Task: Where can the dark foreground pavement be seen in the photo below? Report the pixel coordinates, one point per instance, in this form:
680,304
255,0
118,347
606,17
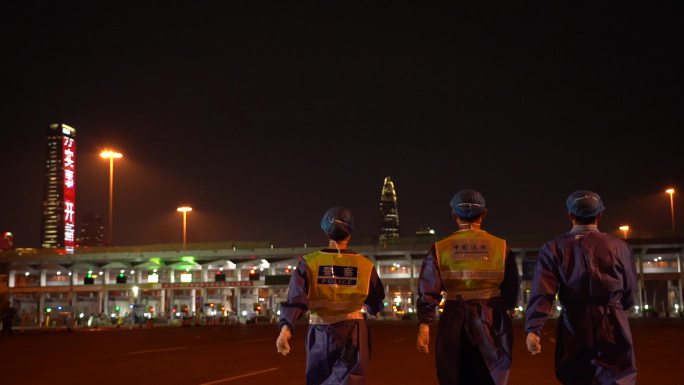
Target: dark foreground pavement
246,354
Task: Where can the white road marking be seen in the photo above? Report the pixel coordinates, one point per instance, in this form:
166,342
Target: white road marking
240,376
158,350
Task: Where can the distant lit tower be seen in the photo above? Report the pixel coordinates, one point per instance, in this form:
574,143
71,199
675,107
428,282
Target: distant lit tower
389,214
59,201
91,231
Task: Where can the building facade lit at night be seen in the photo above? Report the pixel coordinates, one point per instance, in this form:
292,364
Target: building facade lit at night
389,213
250,279
59,200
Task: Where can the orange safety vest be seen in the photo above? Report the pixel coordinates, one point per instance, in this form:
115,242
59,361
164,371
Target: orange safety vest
338,286
472,264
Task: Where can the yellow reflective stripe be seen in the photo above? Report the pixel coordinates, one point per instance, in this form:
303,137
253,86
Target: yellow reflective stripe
329,305
316,319
473,274
474,294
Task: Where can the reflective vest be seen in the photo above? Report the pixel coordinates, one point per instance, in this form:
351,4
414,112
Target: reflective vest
472,264
338,286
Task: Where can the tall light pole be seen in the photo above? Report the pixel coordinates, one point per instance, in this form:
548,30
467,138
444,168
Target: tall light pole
671,191
624,229
111,155
184,210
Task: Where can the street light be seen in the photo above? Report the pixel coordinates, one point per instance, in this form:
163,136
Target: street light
624,229
671,192
111,155
184,210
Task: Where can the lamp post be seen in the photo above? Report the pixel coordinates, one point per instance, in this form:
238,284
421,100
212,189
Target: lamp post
671,192
624,229
184,210
111,155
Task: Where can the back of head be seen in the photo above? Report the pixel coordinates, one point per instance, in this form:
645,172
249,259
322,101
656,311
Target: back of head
337,223
584,204
467,204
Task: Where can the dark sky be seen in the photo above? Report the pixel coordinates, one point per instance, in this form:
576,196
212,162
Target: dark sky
263,116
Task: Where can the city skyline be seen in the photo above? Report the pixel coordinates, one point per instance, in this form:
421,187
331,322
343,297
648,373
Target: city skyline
261,118
369,236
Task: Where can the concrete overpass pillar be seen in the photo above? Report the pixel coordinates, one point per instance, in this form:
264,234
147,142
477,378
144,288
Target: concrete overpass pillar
238,300
11,279
203,302
193,299
100,298
162,305
640,269
41,309
43,278
105,301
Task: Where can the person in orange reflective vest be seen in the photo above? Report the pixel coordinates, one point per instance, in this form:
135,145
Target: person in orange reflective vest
479,276
338,287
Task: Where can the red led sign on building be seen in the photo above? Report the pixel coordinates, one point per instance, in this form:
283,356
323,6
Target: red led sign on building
69,159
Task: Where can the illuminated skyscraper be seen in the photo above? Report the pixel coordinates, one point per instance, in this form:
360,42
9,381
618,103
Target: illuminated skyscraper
59,202
389,214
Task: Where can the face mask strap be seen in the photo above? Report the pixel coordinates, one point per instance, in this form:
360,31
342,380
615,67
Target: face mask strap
585,197
339,221
469,204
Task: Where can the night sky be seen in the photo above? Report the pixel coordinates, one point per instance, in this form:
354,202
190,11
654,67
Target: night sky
261,117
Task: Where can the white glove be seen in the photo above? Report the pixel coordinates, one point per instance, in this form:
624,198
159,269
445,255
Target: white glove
423,339
366,312
282,343
533,344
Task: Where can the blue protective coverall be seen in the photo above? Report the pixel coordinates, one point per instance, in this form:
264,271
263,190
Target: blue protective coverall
595,277
474,337
337,353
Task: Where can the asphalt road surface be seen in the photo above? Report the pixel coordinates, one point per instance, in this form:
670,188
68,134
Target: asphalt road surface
246,354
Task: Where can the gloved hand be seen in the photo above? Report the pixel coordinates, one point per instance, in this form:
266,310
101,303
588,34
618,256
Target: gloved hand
366,312
533,344
282,343
423,338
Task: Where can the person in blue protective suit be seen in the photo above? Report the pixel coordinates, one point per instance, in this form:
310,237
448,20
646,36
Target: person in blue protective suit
478,273
338,287
595,278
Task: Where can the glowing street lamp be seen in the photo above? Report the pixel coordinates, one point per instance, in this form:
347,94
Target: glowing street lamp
671,191
624,230
184,210
111,155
